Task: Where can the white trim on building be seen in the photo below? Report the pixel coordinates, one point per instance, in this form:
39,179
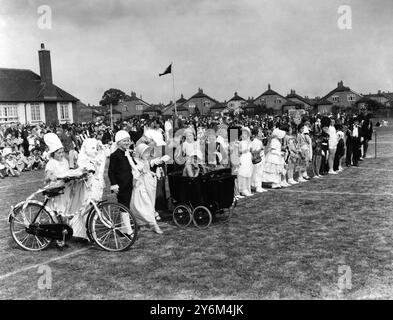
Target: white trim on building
64,112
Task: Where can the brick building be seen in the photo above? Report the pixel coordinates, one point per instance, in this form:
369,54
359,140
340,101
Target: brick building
29,98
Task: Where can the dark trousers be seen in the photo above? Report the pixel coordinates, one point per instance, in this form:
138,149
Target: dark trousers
356,150
124,197
365,147
324,165
336,163
348,157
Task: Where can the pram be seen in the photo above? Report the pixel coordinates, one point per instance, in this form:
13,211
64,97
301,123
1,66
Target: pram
202,198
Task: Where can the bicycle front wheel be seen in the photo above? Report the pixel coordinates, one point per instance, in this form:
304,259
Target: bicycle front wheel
121,234
25,240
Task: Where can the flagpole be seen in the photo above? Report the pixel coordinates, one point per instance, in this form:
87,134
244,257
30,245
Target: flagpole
174,94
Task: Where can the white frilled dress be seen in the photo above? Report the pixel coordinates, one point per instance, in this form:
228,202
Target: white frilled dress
71,201
94,190
245,168
257,173
143,193
273,167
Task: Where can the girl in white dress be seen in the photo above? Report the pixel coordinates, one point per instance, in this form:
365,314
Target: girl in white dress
92,157
257,150
144,188
70,202
246,166
274,167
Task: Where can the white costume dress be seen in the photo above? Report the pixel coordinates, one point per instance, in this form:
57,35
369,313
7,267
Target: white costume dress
95,183
274,163
257,173
143,193
70,202
246,167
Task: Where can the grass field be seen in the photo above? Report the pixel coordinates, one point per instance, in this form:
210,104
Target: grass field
283,244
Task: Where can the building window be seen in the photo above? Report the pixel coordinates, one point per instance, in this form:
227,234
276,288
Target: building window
206,104
351,97
336,99
278,101
35,112
139,107
8,113
125,109
191,106
64,114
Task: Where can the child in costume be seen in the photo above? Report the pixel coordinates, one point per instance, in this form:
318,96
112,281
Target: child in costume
274,167
245,163
144,186
258,156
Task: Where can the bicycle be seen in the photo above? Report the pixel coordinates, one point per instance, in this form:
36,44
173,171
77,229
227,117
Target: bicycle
34,226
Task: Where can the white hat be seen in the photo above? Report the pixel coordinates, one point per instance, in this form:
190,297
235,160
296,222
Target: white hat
280,134
141,149
247,129
197,153
53,142
7,151
156,136
121,134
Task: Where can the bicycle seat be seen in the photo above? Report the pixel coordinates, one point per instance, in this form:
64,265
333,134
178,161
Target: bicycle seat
53,192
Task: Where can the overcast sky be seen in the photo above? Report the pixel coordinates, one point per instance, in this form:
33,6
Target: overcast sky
221,46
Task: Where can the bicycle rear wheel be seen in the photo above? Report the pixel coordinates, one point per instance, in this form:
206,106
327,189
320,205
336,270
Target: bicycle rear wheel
123,231
25,240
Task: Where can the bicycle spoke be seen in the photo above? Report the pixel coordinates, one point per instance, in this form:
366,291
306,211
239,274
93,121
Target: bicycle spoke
114,235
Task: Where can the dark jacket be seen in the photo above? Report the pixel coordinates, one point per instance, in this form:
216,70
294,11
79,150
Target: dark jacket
119,171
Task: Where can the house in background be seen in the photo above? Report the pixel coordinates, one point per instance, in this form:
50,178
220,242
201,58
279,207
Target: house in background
384,98
169,109
29,98
219,108
291,105
154,110
199,103
342,97
302,102
272,100
324,106
134,106
236,102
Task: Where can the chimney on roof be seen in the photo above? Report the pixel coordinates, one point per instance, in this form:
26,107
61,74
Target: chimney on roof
133,94
379,91
268,86
235,94
340,84
181,96
200,90
45,65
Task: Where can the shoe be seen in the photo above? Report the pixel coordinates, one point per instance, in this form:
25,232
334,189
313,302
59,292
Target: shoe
341,169
157,229
356,165
292,182
332,172
276,186
246,194
360,159
260,190
306,178
301,180
317,176
285,184
239,196
157,216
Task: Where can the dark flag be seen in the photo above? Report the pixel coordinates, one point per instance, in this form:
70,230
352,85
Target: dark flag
167,70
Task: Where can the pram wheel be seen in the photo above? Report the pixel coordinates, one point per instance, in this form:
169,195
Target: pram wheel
25,240
201,217
122,233
182,216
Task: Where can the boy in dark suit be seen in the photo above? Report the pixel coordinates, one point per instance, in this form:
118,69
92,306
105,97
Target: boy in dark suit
119,172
